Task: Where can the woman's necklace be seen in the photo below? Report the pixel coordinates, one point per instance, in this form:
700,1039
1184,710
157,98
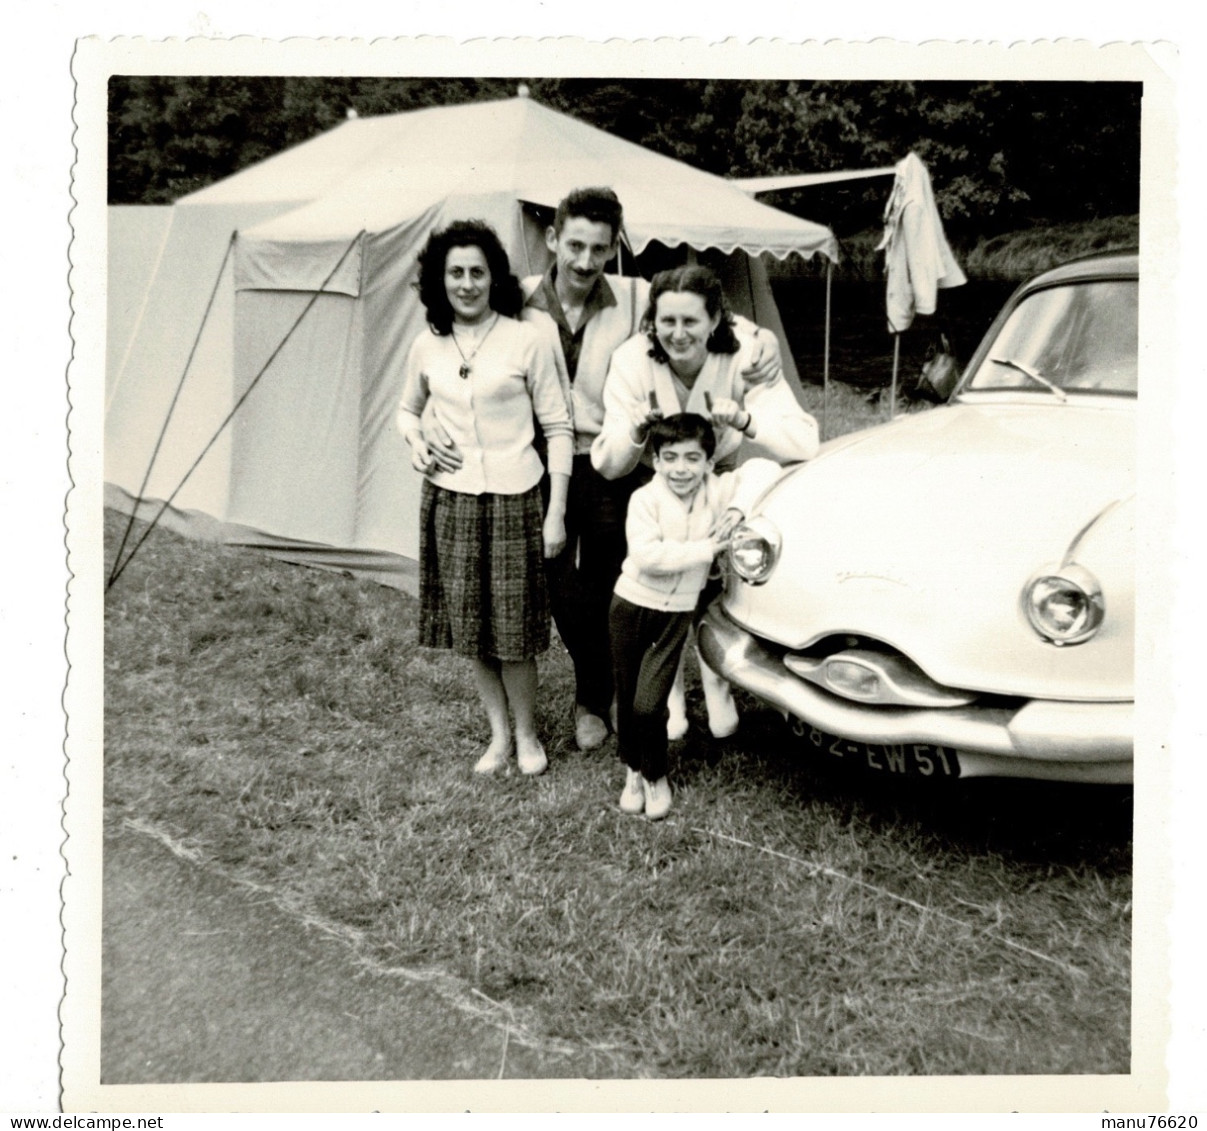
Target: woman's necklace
467,359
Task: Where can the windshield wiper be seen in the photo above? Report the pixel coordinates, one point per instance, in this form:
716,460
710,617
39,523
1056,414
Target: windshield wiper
1039,378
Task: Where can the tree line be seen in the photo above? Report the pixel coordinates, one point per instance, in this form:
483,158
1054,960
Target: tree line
1002,155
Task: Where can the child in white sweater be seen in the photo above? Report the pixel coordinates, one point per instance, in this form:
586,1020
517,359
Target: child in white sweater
676,525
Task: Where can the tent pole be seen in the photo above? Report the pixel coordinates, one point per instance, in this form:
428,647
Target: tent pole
825,356
892,401
524,245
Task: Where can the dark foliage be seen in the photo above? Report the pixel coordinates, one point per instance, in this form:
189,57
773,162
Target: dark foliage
1002,155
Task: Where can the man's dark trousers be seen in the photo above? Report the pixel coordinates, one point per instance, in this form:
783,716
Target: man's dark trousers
582,576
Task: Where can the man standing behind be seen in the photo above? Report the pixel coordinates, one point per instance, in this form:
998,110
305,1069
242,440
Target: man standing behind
586,315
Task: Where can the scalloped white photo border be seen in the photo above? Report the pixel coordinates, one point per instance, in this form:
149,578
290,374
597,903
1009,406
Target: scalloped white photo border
95,59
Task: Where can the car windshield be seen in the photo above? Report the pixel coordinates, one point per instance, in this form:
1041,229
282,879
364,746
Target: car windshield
1077,337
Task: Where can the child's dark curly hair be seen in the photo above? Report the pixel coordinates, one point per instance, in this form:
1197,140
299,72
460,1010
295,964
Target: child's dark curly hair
680,427
506,295
697,280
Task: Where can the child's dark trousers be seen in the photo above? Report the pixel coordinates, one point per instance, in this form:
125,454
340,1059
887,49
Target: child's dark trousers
646,645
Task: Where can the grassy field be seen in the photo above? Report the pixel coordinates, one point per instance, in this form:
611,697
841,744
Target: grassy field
787,919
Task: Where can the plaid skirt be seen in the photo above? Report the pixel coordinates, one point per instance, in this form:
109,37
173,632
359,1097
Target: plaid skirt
482,574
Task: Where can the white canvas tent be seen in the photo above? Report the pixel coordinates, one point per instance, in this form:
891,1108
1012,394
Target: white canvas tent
311,465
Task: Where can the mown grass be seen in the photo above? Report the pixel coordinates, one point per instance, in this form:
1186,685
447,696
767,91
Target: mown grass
846,408
787,919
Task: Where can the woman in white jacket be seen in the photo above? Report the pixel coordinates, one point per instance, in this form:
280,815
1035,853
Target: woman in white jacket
687,359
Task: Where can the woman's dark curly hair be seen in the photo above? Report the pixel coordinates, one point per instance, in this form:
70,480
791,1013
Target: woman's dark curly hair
506,296
698,281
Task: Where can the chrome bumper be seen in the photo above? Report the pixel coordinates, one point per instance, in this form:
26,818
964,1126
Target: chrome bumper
1062,741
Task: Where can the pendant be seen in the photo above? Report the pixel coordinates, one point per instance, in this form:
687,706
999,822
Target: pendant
464,370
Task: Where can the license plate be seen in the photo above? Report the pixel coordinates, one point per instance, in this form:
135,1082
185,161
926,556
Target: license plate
907,759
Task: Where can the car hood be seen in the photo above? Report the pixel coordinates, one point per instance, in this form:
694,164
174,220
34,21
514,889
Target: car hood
923,533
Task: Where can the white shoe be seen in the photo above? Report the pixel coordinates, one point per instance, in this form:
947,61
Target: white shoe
657,798
533,760
726,725
676,705
590,731
632,797
718,699
493,760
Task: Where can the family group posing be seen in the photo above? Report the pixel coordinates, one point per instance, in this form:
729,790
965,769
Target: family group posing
578,435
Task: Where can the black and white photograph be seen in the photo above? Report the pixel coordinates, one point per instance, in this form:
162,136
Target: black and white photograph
640,584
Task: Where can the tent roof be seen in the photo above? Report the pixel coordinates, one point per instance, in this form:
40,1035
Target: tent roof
373,174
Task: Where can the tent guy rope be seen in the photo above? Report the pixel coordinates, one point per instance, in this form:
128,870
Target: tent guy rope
142,487
822,870
119,569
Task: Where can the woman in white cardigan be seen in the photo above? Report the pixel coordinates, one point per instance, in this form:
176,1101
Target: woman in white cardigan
489,379
687,359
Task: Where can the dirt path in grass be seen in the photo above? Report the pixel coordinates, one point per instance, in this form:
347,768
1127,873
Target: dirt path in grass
207,981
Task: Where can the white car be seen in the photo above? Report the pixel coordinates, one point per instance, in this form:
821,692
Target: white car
952,594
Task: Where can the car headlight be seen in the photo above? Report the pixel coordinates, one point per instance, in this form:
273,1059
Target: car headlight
754,548
1064,605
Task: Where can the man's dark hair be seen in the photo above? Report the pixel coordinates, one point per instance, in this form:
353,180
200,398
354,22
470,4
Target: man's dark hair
679,429
506,295
598,204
